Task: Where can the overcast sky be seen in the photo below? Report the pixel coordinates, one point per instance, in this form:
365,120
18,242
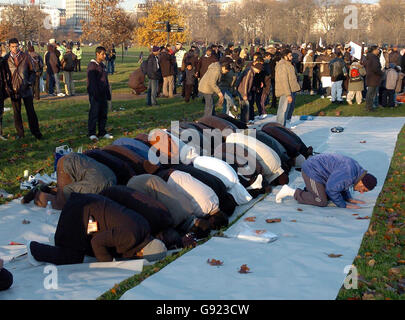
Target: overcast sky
128,4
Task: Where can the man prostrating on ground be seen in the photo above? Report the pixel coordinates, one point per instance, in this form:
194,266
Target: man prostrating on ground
98,89
329,176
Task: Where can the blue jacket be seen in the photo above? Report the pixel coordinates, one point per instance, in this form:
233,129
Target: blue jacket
337,172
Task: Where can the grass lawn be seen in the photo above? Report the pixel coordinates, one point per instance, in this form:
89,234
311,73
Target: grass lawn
381,258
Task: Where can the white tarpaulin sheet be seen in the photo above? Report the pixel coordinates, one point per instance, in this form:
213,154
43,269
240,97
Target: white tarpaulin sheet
81,281
296,266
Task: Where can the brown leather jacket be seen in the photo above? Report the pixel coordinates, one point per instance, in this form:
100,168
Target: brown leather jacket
20,77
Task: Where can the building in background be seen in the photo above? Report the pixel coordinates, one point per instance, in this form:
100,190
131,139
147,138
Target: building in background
53,20
76,12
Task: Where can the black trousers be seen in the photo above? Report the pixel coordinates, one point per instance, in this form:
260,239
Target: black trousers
188,92
1,116
273,94
371,93
78,65
6,279
388,98
97,116
55,255
31,114
37,90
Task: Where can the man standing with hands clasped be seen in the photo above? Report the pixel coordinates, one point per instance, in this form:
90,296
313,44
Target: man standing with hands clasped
98,89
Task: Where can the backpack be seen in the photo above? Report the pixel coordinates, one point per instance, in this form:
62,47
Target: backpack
239,78
37,63
69,64
355,75
337,69
391,80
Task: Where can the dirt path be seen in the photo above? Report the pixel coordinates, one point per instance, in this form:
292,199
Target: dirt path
118,96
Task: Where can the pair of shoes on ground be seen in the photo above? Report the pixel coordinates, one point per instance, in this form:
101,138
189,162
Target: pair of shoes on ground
106,136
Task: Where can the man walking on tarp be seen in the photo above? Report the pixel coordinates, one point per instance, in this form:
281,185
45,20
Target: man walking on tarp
330,176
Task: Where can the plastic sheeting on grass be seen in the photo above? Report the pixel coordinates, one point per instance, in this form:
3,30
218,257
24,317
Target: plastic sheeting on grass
84,281
297,265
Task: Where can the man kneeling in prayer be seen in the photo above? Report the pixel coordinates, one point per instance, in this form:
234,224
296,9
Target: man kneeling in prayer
75,173
96,226
329,176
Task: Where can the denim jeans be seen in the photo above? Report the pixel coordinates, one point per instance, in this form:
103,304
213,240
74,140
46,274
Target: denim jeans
370,98
97,116
228,101
337,91
153,86
54,83
291,107
209,109
282,110
111,67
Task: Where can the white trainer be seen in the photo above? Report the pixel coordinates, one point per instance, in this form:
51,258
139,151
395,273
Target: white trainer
108,136
93,138
31,258
285,191
231,115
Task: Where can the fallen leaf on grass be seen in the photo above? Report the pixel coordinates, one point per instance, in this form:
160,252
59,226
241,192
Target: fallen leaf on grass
371,263
251,219
394,271
273,220
401,286
368,254
332,255
368,296
244,269
214,262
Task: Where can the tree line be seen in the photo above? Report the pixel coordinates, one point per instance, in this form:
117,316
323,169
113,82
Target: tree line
245,22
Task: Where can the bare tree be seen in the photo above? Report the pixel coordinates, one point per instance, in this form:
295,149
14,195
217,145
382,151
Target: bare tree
22,22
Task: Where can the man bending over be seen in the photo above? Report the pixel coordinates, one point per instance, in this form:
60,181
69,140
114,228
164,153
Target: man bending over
329,176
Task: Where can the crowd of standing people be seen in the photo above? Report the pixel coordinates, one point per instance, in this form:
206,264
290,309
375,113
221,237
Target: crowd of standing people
273,76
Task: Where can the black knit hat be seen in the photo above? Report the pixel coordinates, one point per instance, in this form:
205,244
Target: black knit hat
369,181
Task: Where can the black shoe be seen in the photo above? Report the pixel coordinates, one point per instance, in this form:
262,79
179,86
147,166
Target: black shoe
30,195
